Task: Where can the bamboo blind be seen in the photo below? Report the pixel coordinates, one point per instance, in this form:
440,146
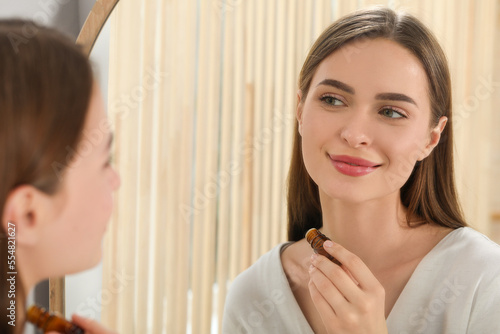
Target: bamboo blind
202,97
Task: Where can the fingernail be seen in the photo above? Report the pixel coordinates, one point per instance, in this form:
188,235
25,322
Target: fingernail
314,256
328,244
311,268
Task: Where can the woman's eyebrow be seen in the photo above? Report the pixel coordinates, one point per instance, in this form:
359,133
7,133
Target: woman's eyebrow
337,84
381,96
395,97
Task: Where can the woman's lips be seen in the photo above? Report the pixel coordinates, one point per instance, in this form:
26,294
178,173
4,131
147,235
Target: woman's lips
353,166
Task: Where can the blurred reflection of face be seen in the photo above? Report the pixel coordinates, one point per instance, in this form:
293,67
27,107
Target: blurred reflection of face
85,199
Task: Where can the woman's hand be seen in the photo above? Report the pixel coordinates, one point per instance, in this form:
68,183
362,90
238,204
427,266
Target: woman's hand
349,298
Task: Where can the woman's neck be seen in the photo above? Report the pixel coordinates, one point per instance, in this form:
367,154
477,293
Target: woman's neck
371,229
27,269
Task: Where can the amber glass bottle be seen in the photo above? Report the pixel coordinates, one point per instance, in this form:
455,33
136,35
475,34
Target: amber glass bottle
47,321
316,239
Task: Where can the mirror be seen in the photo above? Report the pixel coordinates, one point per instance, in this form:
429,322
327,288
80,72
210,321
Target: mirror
73,294
83,21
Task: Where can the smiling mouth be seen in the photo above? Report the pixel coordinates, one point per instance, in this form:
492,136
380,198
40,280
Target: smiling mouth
353,161
353,166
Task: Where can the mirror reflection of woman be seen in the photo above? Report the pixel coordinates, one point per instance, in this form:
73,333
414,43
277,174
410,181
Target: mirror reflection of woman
372,168
56,177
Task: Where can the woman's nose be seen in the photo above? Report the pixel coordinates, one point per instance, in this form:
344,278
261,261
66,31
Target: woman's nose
356,132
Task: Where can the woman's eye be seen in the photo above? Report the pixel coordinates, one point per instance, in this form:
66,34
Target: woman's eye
332,101
391,113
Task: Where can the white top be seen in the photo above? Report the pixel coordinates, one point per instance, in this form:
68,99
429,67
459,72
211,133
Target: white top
454,289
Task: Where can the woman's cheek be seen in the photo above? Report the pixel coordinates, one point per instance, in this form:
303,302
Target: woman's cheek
108,206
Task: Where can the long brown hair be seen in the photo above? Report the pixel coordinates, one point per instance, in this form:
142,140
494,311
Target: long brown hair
46,85
429,193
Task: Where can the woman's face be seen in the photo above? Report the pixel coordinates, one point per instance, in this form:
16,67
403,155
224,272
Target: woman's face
366,120
83,205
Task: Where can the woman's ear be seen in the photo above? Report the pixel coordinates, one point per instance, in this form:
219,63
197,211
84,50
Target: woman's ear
24,209
434,137
298,112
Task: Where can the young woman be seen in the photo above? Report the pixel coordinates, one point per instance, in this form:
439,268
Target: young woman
56,182
372,168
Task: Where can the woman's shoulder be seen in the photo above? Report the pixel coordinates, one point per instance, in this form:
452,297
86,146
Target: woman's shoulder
472,245
455,288
477,278
260,300
468,251
260,277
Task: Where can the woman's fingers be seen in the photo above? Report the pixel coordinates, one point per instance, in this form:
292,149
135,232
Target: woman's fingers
326,311
334,275
321,303
359,271
326,287
345,305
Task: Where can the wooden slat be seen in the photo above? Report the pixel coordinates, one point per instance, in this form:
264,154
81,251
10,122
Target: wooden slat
278,128
205,168
245,235
165,315
307,32
148,140
57,295
291,86
259,52
226,177
209,165
242,65
126,119
319,9
265,134
186,133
